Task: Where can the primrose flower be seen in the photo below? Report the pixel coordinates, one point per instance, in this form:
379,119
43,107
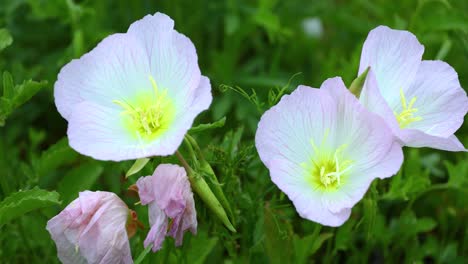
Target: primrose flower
422,101
323,149
169,196
92,229
135,95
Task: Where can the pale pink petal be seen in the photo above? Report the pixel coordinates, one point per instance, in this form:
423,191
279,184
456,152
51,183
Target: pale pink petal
440,100
418,139
170,181
158,221
372,99
145,189
330,118
121,69
394,56
173,198
92,230
115,70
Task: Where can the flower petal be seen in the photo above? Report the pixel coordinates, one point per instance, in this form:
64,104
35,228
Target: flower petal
394,56
115,70
92,230
158,231
169,183
370,145
172,56
145,189
333,118
417,139
308,202
372,99
97,131
285,129
441,102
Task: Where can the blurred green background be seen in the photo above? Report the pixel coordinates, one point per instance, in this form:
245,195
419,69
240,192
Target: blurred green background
252,51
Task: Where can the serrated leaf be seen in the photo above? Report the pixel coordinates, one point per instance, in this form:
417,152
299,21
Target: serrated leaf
409,182
5,39
457,174
58,154
79,179
203,127
137,166
25,91
22,202
8,85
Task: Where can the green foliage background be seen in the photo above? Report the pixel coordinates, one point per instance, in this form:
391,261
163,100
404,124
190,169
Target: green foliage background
419,215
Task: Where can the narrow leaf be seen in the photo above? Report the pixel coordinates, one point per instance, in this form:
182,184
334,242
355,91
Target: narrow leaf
137,166
356,86
26,90
8,85
203,127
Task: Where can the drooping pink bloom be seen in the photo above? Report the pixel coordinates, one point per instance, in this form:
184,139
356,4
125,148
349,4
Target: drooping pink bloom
171,204
135,95
323,149
422,101
91,229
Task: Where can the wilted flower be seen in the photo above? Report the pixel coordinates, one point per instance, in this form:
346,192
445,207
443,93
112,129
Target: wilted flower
135,95
91,229
171,205
323,149
422,101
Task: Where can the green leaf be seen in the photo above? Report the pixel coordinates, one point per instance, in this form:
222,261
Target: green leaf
356,86
8,85
22,202
200,247
5,39
58,154
409,182
307,246
79,179
203,127
26,90
457,174
137,166
278,237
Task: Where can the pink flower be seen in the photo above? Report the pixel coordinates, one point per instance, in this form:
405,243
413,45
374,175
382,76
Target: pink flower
91,229
135,94
323,149
169,195
421,100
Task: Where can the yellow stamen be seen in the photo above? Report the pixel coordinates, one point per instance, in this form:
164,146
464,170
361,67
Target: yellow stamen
327,168
407,115
148,115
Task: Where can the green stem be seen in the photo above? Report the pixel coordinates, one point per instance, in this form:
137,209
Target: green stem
200,186
143,255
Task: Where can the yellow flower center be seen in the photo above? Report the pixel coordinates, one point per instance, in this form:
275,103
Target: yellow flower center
328,168
407,114
149,114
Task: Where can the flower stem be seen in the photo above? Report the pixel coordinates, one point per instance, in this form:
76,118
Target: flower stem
142,255
206,167
200,186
